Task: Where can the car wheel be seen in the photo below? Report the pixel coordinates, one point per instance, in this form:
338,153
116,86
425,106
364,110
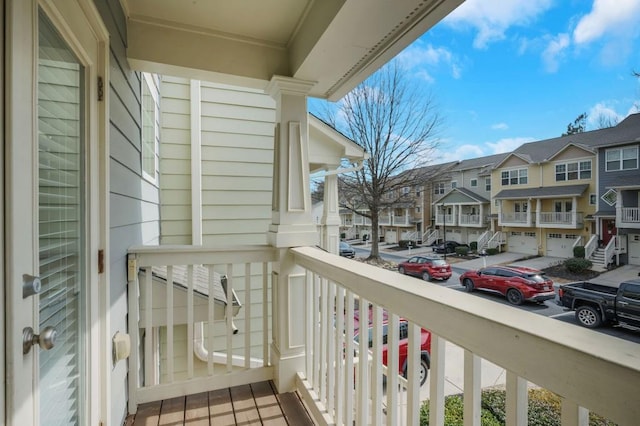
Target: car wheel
468,285
423,372
588,316
401,270
514,296
426,276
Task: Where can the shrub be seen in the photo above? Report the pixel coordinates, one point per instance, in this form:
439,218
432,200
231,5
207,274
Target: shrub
544,409
577,265
492,251
406,243
578,251
462,251
473,245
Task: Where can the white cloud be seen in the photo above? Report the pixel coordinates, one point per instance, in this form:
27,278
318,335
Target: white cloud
500,126
461,152
553,53
493,18
619,18
601,115
507,144
423,55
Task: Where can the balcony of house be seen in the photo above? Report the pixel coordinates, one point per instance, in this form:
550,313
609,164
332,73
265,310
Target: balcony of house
384,219
628,217
207,327
517,219
446,219
562,220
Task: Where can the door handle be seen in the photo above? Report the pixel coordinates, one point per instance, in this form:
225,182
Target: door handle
46,339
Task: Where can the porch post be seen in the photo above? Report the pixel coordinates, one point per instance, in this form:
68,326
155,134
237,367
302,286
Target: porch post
538,207
330,215
574,213
291,226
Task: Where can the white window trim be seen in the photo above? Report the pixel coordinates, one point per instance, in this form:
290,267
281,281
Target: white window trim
148,82
621,160
578,171
515,171
473,183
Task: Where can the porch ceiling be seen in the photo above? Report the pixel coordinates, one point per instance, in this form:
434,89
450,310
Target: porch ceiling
334,43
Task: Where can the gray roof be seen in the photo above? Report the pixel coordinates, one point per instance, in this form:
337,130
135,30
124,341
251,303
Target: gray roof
542,192
467,192
628,130
628,180
480,162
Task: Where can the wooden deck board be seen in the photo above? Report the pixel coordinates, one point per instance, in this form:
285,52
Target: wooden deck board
197,410
255,404
268,405
244,406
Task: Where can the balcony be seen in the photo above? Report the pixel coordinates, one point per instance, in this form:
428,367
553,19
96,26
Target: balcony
167,331
566,220
516,219
401,220
384,220
629,217
446,219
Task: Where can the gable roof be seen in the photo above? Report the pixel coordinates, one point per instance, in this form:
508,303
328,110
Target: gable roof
480,162
569,145
465,192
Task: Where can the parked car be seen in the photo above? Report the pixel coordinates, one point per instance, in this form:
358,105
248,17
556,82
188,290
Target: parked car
448,247
596,304
516,283
346,250
403,345
427,268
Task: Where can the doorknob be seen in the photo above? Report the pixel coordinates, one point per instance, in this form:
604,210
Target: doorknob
46,339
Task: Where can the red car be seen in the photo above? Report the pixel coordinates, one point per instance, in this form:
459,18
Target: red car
403,345
426,267
516,283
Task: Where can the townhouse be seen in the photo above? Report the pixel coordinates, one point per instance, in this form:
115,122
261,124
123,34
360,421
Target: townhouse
463,213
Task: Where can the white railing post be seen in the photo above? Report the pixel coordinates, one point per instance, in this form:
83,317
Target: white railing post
516,400
133,316
571,414
436,381
472,389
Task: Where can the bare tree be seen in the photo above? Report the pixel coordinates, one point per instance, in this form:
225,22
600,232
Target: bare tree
397,125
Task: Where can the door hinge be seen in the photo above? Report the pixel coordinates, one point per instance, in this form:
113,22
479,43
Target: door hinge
100,88
100,261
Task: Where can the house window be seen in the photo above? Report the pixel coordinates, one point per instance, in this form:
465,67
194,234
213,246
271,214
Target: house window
610,197
149,128
592,199
487,184
474,183
454,184
520,207
562,206
438,188
417,209
621,159
514,177
406,190
573,171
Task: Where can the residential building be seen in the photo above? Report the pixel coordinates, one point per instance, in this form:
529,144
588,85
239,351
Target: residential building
463,213
546,193
84,217
617,224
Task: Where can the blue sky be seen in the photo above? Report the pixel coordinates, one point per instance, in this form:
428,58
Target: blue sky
506,72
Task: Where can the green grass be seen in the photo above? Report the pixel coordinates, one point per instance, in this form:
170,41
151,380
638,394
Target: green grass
544,409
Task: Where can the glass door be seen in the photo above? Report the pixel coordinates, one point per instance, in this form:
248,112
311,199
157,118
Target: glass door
61,226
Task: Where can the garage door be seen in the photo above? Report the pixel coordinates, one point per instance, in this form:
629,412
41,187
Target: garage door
560,245
390,237
472,236
634,249
522,242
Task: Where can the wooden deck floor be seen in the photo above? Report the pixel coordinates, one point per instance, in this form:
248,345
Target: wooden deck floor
255,404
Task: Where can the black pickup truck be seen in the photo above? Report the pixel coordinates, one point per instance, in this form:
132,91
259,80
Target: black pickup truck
596,304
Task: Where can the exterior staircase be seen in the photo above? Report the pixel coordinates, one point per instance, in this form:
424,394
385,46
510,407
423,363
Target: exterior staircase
598,260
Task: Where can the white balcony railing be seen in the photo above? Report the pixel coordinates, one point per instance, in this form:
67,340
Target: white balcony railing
176,352
183,332
561,357
400,220
561,219
446,219
470,219
630,215
515,217
384,219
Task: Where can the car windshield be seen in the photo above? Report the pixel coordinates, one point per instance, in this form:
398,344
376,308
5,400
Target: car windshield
538,278
344,246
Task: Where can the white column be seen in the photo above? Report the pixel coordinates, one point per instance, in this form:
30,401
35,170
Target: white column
330,215
196,163
574,213
538,207
292,225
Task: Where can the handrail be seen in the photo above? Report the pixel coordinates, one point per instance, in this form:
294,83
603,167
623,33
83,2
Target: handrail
485,328
483,239
610,250
591,246
176,289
